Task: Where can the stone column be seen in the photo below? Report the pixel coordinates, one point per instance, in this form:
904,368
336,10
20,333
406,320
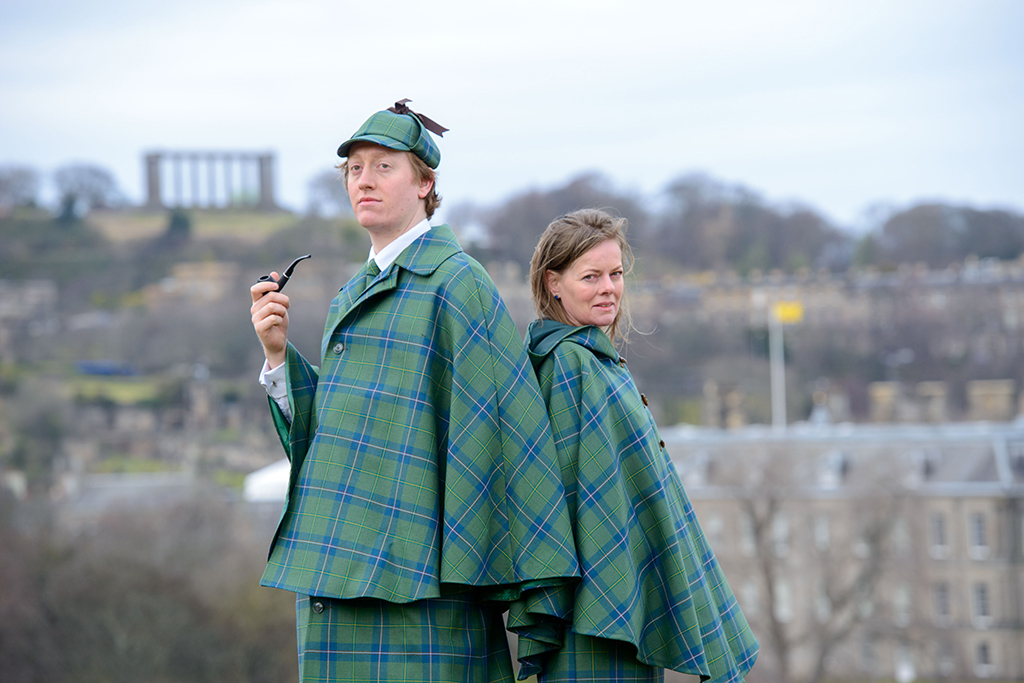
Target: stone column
153,196
211,180
176,160
193,172
229,200
266,163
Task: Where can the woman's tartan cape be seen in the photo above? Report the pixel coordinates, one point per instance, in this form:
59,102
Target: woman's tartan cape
649,577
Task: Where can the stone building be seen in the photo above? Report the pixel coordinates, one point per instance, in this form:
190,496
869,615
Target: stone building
868,552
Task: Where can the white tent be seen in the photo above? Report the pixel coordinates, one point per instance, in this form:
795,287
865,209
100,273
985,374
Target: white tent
267,484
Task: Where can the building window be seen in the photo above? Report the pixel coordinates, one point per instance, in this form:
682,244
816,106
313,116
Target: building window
939,540
862,547
783,601
751,597
865,602
983,666
979,536
901,536
822,535
823,603
869,655
901,605
982,606
748,540
713,529
943,610
904,663
944,662
780,534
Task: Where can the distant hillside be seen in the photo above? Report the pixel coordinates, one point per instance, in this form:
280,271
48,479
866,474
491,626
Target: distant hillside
138,224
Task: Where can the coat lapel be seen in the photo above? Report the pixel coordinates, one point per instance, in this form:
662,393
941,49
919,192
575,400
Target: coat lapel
421,257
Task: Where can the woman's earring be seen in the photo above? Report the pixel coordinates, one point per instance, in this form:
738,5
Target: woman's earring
557,298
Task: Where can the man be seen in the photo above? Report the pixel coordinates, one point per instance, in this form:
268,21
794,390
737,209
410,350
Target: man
424,488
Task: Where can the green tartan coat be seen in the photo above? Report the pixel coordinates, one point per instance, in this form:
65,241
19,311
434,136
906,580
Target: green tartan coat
421,456
649,577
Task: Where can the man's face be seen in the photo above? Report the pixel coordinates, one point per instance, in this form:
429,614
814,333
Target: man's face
386,192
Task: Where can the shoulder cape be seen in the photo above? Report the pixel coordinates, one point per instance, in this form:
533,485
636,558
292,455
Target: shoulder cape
649,577
421,455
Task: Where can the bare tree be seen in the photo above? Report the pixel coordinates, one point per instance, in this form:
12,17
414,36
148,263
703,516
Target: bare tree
83,187
819,560
19,186
515,226
328,195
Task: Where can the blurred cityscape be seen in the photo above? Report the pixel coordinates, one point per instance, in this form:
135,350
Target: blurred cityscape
876,532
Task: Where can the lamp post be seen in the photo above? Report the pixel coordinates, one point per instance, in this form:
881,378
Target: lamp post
781,313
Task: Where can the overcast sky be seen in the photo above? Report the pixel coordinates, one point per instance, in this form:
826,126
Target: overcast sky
837,104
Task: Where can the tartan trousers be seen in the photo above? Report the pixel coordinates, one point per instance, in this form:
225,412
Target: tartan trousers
451,639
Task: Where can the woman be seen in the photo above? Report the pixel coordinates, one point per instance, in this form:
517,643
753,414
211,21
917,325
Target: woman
652,595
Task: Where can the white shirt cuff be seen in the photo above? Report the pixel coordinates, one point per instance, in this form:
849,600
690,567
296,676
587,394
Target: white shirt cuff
276,383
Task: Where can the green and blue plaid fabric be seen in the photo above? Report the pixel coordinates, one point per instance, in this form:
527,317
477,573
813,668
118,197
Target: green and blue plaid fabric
421,454
400,132
649,577
442,640
583,659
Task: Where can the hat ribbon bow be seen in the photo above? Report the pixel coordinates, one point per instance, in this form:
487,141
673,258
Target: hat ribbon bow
429,124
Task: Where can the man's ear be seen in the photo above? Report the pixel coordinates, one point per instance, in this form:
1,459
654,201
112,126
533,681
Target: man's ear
426,184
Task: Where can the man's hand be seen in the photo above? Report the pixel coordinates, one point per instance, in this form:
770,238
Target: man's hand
270,320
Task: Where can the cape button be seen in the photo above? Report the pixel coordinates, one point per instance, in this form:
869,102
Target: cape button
338,348
318,607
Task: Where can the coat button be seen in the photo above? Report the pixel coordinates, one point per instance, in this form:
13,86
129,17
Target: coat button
318,607
338,348
644,399
661,443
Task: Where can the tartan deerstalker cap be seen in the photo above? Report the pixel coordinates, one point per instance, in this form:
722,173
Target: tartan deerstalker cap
402,129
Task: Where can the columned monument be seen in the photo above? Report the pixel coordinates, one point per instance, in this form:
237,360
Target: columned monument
213,180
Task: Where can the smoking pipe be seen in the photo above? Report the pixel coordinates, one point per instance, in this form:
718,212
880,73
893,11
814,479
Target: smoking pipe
283,280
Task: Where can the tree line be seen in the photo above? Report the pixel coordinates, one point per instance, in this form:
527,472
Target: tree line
698,223
695,223
169,594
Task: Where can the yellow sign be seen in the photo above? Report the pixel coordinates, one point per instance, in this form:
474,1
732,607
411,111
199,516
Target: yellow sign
788,312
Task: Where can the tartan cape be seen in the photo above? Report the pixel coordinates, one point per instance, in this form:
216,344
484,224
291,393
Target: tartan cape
649,577
421,456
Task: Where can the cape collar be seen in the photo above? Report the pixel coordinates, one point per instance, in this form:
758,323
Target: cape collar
544,335
422,257
428,252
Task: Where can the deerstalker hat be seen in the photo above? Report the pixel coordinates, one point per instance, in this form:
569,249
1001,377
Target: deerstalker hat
401,129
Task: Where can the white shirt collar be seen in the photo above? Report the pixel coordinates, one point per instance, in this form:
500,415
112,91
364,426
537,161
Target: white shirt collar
392,251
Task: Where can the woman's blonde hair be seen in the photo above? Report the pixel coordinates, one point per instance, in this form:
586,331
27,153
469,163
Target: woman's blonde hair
565,240
423,172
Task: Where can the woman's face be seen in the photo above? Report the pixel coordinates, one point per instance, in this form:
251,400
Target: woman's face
591,287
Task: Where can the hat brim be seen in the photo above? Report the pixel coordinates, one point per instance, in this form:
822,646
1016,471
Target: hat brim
381,140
